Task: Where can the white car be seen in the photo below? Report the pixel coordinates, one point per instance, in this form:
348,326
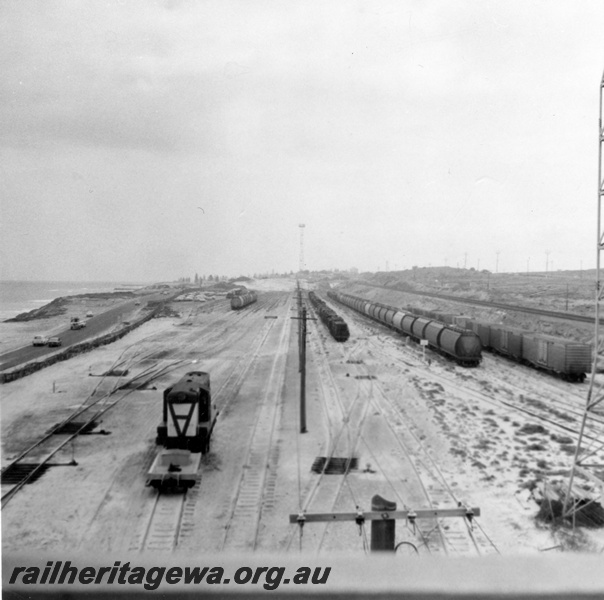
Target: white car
40,340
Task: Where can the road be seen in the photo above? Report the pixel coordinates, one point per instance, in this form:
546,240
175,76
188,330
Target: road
95,326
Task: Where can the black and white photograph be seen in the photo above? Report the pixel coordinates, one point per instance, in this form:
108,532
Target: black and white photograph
302,297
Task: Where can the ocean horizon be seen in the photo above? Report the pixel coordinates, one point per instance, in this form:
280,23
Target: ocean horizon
17,297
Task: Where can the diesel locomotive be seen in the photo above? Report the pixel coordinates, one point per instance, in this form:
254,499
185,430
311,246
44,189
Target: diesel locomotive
188,419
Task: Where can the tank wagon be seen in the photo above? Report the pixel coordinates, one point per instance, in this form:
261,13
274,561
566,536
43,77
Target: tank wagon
461,345
243,300
567,359
334,322
184,432
236,292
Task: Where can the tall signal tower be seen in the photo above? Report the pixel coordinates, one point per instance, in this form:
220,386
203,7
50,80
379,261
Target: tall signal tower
301,226
590,444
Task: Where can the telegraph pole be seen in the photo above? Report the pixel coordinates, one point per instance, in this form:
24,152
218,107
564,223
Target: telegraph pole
303,373
302,318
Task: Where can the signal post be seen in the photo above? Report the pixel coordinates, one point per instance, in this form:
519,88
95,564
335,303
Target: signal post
383,516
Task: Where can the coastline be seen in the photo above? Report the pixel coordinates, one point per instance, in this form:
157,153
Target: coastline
18,297
53,317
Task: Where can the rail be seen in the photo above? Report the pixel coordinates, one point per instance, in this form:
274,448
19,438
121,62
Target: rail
499,305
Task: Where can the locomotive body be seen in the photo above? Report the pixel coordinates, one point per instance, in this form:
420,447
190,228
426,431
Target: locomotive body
184,432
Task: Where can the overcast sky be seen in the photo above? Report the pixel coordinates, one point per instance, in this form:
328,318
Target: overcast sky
145,140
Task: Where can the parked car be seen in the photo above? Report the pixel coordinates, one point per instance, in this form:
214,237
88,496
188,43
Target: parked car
40,340
76,323
55,341
89,314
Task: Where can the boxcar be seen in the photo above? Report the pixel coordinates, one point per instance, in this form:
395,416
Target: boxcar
482,330
567,358
507,341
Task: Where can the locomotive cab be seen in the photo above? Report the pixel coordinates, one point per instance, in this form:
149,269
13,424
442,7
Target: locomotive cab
187,414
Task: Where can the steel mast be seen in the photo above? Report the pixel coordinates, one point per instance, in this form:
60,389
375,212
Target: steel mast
301,266
586,451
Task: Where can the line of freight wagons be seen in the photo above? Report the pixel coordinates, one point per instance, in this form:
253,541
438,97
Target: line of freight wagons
569,359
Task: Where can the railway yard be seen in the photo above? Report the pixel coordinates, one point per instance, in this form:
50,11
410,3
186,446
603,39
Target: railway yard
383,416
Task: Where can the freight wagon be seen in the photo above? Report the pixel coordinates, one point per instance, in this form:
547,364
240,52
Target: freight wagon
568,359
242,300
461,345
334,322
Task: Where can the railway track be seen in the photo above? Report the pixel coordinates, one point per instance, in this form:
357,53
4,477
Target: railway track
54,444
344,421
458,538
497,305
462,387
169,519
169,522
256,484
472,385
396,451
559,398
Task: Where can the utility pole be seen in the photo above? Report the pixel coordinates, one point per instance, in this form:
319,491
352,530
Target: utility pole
302,319
547,253
303,373
497,261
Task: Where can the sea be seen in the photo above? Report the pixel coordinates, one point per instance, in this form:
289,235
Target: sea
22,296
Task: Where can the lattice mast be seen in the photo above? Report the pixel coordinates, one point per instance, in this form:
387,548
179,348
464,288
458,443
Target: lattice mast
301,226
589,446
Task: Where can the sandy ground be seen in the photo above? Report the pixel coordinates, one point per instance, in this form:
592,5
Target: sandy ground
403,418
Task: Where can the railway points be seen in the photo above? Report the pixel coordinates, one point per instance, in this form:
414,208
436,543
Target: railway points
381,420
